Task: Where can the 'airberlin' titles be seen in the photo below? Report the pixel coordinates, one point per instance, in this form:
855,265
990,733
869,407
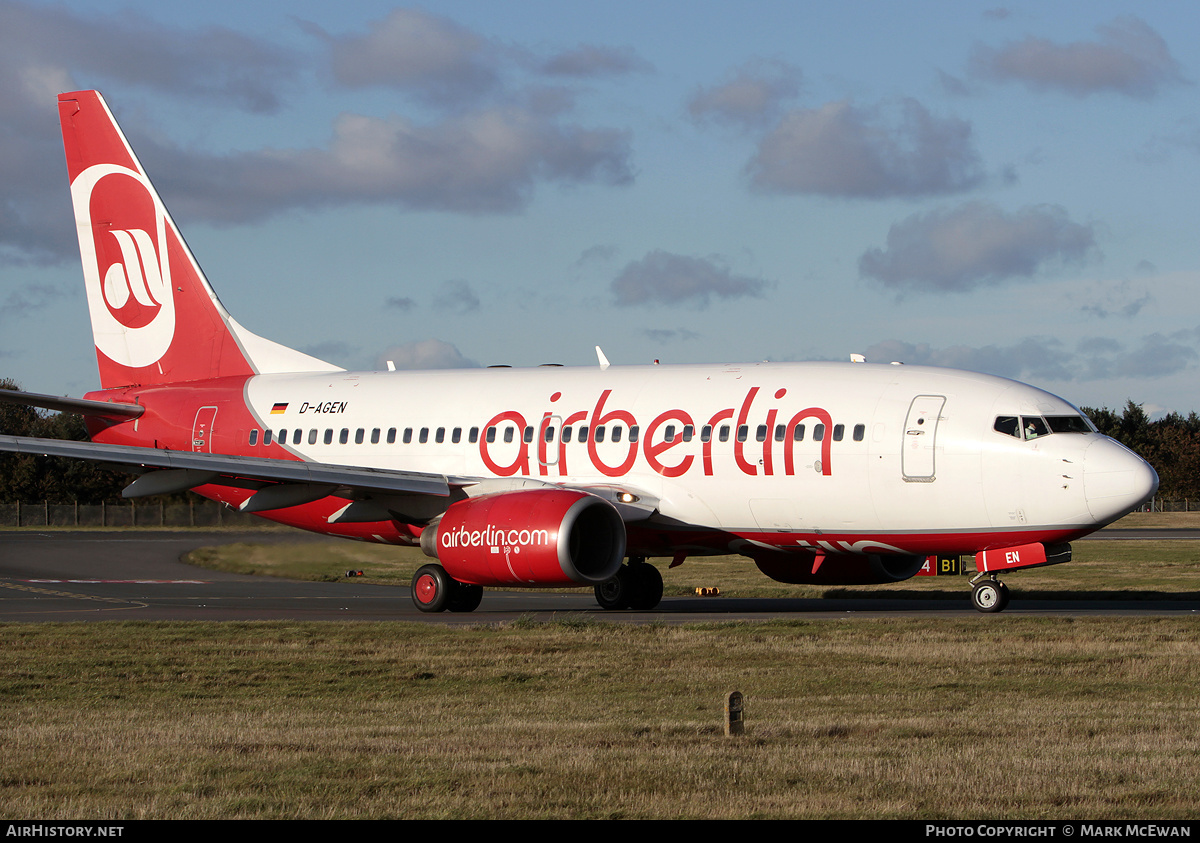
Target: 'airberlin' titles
662,452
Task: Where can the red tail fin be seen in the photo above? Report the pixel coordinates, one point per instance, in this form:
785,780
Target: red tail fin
155,318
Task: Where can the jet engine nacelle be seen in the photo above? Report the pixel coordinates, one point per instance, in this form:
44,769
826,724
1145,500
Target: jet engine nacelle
532,538
839,568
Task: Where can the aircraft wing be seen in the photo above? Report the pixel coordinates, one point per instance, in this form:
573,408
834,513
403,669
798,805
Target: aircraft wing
281,483
184,469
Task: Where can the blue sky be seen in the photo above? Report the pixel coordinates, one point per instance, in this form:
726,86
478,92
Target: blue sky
1005,188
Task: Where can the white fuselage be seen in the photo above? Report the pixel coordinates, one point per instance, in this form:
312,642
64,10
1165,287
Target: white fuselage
903,449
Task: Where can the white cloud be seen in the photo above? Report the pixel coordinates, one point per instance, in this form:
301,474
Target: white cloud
482,162
425,354
457,297
751,96
840,149
974,245
664,278
1129,58
427,55
589,60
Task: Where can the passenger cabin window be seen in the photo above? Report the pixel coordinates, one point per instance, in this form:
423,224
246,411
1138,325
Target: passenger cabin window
329,436
359,435
254,437
818,433
423,436
860,431
440,436
456,435
839,430
407,435
312,436
473,437
375,436
344,437
391,437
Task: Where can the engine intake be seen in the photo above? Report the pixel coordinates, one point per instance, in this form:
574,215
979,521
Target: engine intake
532,538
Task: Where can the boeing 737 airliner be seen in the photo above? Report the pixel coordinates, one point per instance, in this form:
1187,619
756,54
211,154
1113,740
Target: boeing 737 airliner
551,476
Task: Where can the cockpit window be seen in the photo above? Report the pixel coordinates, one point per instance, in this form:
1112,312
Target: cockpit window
1034,426
1009,425
1068,424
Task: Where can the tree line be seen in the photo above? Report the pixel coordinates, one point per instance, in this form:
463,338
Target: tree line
1171,444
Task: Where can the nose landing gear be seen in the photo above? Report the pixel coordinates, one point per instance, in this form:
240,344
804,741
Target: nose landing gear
988,594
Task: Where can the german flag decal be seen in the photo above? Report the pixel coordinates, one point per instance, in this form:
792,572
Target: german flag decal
279,408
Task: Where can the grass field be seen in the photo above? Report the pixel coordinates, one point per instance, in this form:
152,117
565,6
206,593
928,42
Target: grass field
987,717
999,717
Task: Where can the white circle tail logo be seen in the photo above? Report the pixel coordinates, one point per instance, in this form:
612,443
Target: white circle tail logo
123,241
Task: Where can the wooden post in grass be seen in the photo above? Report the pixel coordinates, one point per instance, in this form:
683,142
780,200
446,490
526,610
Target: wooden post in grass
734,710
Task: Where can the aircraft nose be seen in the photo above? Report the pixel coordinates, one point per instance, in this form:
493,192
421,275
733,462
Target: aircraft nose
1115,479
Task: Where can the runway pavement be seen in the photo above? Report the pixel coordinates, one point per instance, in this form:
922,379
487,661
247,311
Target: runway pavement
58,576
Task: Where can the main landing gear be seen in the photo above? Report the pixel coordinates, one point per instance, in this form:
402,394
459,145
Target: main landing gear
433,590
988,595
637,585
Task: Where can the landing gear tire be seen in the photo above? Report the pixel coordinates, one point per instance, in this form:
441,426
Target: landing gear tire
432,588
648,586
637,585
990,596
616,593
466,597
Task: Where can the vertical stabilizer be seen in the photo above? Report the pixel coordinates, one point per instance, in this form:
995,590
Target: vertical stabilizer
155,318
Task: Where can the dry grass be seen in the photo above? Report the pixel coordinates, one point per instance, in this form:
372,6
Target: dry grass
986,717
